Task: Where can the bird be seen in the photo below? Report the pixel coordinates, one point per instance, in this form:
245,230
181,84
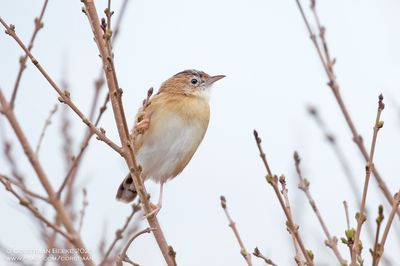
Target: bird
168,129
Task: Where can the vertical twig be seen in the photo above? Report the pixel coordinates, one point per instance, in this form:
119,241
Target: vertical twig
246,255
45,126
370,165
374,251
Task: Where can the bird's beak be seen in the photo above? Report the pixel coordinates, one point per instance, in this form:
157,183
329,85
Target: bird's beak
213,79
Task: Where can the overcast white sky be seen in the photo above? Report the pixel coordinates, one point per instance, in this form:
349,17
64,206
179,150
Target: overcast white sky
273,74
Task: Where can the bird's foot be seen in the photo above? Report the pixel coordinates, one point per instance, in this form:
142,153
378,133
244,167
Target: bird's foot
142,126
155,209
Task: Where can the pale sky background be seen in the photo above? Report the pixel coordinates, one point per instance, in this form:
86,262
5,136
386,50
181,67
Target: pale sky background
273,74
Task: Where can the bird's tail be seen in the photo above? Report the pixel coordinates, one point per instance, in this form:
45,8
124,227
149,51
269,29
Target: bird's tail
126,191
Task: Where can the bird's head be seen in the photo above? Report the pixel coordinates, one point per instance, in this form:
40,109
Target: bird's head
190,82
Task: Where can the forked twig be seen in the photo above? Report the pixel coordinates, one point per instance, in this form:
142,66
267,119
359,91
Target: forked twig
273,181
328,63
28,204
246,255
304,185
119,233
258,254
123,256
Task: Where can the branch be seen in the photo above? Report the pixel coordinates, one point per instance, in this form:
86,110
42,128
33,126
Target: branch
45,126
273,181
304,185
119,233
34,210
22,60
381,245
65,96
258,254
328,63
361,217
374,252
122,256
246,255
115,92
54,201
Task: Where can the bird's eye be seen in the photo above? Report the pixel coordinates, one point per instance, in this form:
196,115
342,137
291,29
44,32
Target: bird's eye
194,81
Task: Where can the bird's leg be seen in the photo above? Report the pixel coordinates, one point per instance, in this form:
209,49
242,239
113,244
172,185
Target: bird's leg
156,207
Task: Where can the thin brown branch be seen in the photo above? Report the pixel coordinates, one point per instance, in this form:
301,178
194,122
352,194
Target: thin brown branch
54,201
85,142
284,191
374,251
45,126
102,41
246,255
120,232
361,217
257,253
28,204
273,181
85,203
22,61
385,234
27,191
328,63
346,211
65,96
7,149
123,256
304,185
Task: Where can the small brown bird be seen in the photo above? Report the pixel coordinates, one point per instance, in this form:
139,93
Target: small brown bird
173,124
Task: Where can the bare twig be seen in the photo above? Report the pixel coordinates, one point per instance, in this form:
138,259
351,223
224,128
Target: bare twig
54,201
85,142
119,233
385,234
123,256
273,181
22,61
374,251
27,191
85,203
361,217
102,41
340,155
258,254
298,258
346,211
65,96
304,185
246,255
328,63
28,204
45,126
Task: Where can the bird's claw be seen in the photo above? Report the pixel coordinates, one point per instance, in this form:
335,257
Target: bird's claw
155,209
142,125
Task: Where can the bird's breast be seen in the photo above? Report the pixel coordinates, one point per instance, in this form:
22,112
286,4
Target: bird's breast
176,129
